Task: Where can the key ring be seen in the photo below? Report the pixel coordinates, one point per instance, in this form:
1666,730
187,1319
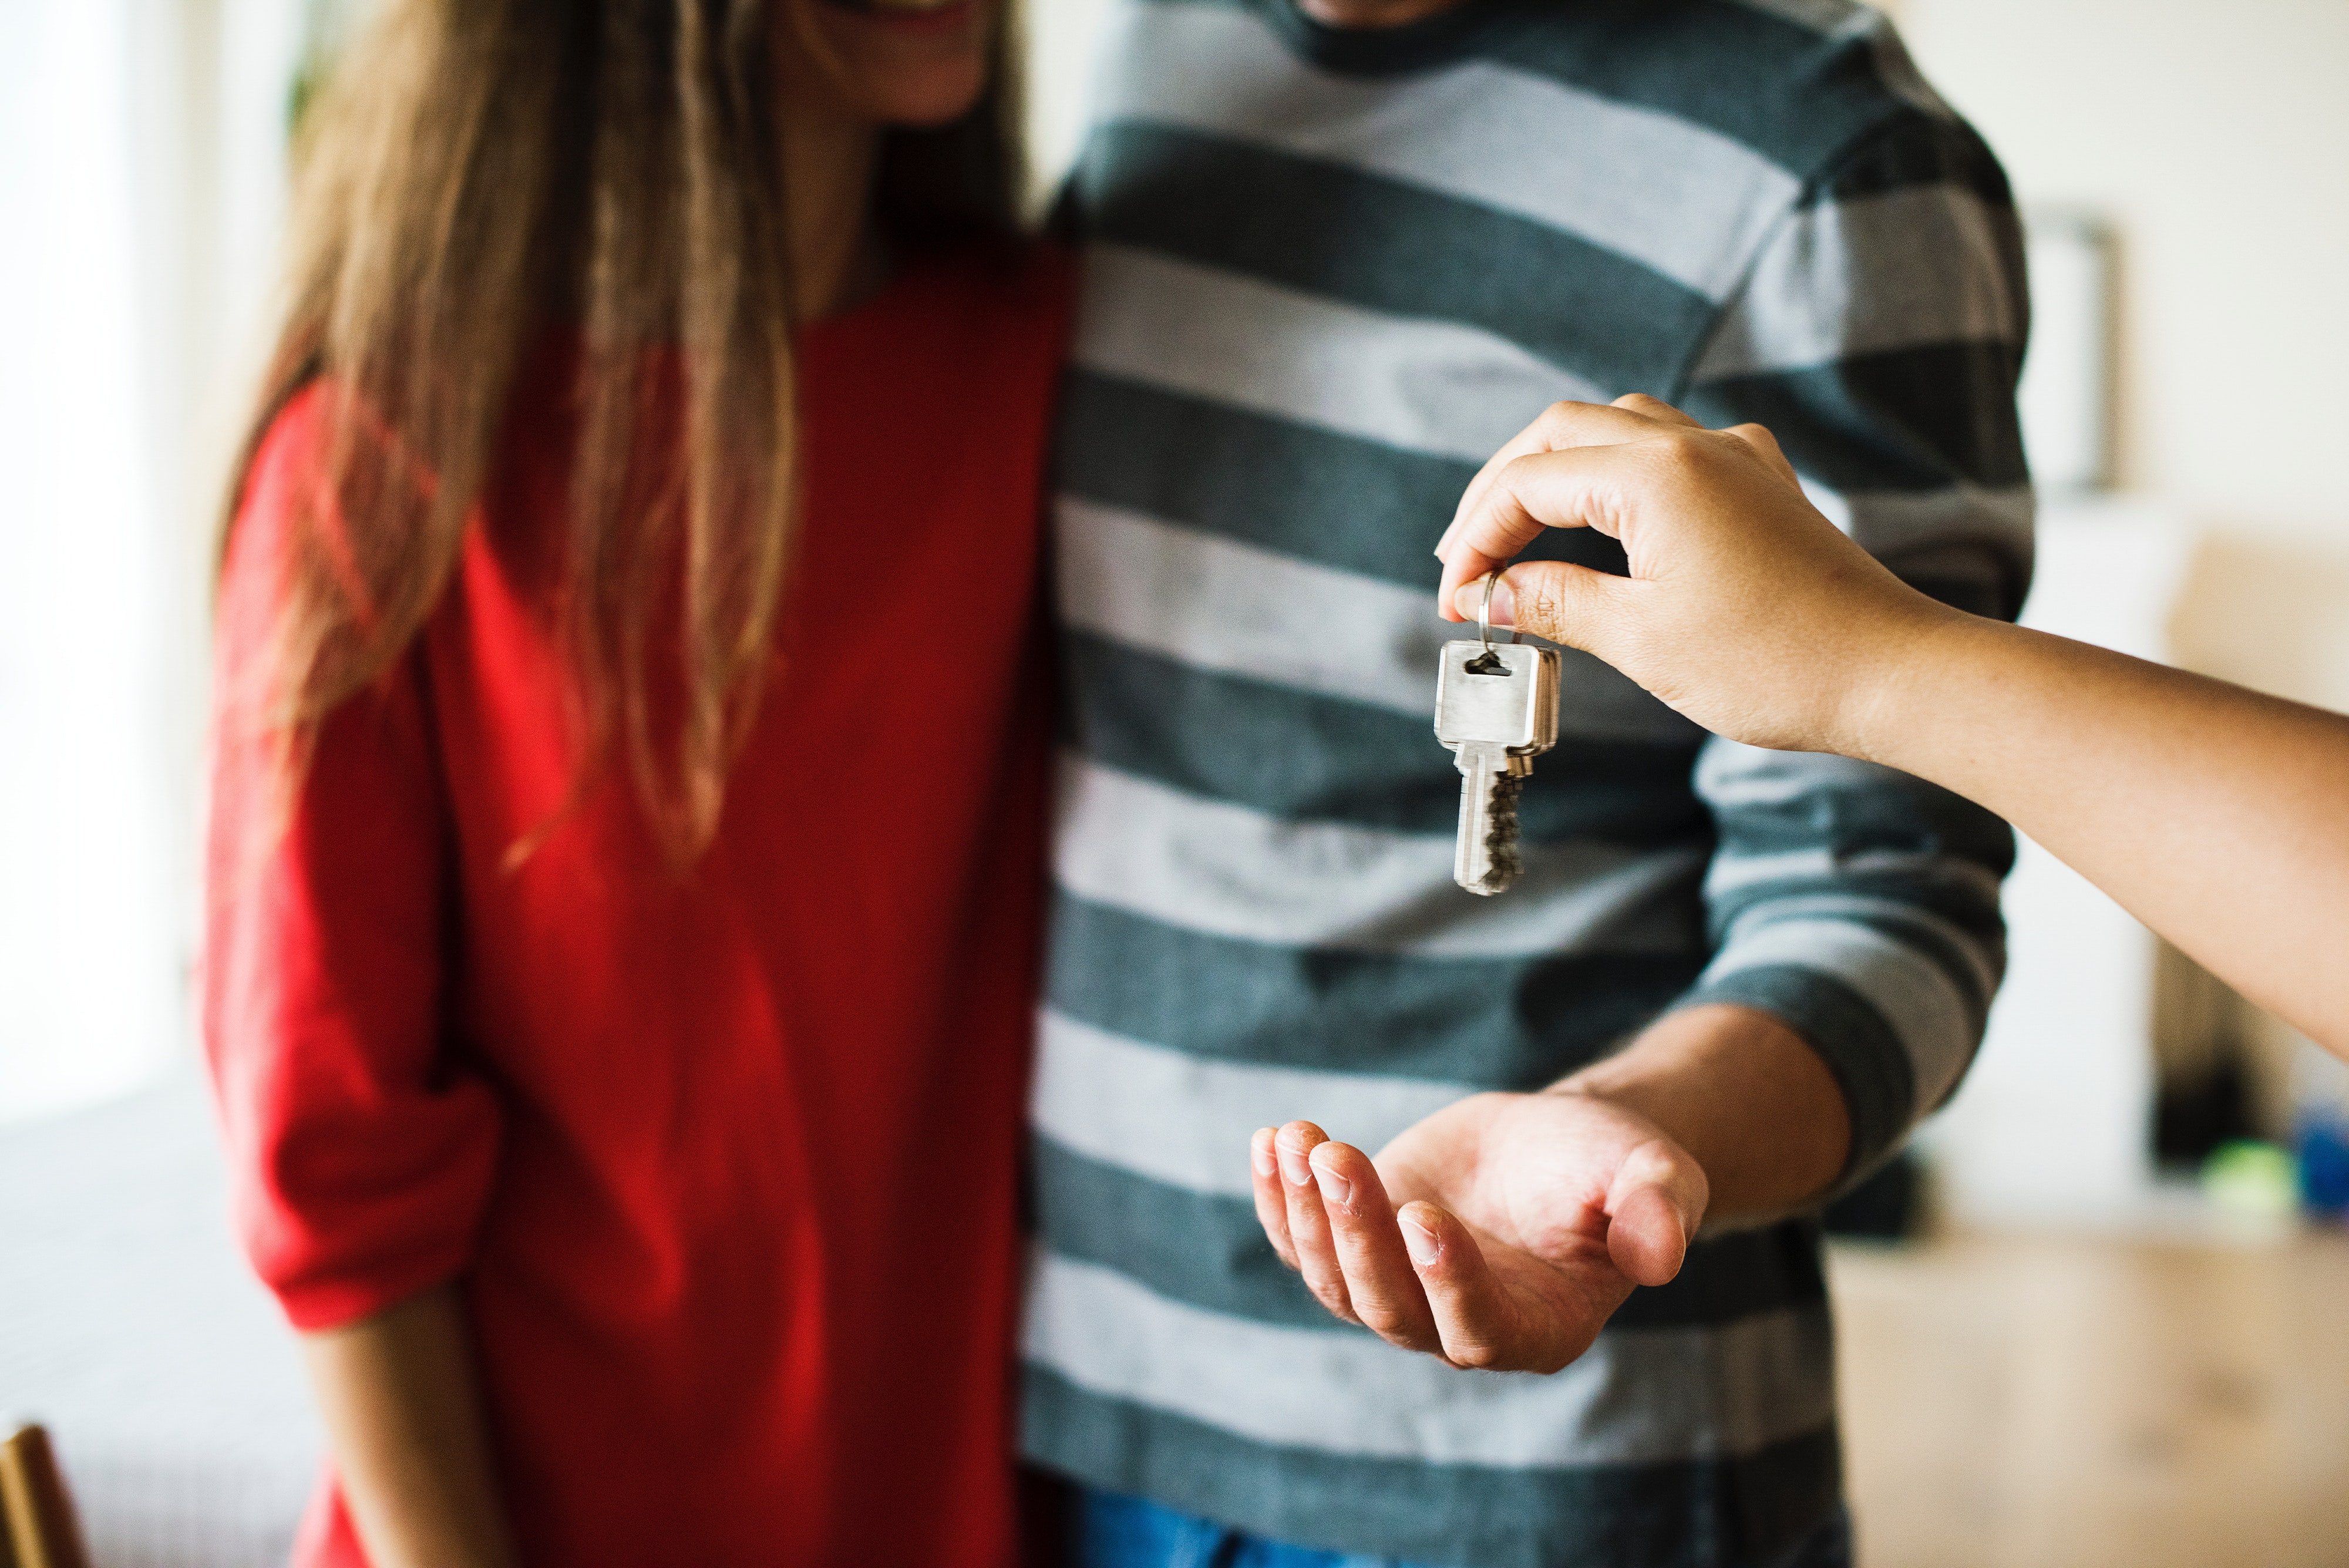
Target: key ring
1484,613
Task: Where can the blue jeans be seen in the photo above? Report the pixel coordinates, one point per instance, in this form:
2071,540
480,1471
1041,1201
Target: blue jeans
1114,1531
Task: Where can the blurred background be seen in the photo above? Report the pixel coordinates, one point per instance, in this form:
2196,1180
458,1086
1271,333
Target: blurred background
2103,1316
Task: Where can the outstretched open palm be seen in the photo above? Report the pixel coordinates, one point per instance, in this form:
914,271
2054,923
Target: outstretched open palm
1502,1231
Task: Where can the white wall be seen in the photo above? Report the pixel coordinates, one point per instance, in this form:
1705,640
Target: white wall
89,991
2216,140
140,167
1061,38
2216,137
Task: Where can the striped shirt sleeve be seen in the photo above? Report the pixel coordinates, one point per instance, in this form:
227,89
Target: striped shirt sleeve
1878,334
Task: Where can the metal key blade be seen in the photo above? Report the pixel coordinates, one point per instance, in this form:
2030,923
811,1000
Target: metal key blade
1485,857
1497,708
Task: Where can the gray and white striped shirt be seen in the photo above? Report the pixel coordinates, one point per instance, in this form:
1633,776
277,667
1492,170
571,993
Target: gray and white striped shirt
1326,274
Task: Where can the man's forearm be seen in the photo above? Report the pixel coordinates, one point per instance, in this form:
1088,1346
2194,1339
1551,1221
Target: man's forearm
403,1413
1742,1093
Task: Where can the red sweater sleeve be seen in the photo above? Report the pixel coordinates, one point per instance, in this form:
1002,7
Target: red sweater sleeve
361,1154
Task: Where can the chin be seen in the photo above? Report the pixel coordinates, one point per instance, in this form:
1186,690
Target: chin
908,62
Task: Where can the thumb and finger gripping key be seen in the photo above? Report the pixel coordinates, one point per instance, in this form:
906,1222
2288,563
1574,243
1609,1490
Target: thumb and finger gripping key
1497,708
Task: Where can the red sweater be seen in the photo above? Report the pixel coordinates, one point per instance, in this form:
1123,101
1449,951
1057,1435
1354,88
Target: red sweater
724,1164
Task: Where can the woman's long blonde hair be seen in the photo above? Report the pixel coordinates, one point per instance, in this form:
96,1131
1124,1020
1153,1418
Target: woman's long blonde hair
474,173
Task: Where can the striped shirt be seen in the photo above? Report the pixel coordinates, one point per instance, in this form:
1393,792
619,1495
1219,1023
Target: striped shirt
1326,273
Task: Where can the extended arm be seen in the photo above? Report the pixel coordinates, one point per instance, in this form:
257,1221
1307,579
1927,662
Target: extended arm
403,1411
2217,815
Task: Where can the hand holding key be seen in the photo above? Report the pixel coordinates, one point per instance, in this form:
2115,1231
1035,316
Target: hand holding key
1500,1232
1744,609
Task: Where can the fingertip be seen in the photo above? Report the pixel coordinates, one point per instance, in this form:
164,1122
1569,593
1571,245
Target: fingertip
1261,1156
1356,1169
1292,1145
1450,588
1337,1187
1424,1233
1648,1238
1650,1267
1677,1181
1272,1207
1471,1317
1468,601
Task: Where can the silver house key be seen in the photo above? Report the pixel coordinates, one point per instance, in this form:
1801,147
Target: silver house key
1497,708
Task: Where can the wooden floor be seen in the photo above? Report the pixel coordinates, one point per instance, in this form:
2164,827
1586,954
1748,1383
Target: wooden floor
2063,1403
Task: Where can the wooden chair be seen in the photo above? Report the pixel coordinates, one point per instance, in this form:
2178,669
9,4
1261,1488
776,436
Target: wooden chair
38,1528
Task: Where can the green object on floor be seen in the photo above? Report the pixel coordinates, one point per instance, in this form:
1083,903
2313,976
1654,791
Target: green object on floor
2248,1178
